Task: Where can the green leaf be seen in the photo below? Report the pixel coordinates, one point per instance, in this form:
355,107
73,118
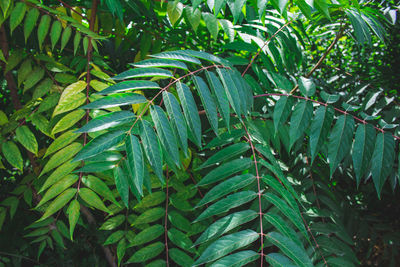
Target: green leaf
24,71
121,182
180,240
43,29
340,141
99,187
58,188
293,251
55,33
364,142
62,141
147,235
115,100
73,212
70,103
226,204
30,22
17,15
226,245
178,56
113,222
165,133
211,24
225,154
300,120
149,216
237,9
77,40
278,260
12,154
147,253
319,129
143,72
179,221
282,111
382,160
61,156
27,138
205,56
99,166
160,63
190,111
306,86
66,35
291,214
135,161
106,121
193,16
226,224
85,44
230,90
151,148
180,257
101,143
227,187
225,170
222,98
129,85
174,11
151,200
69,92
33,78
177,119
208,102
237,259
59,203
114,237
68,121
322,5
279,223
92,199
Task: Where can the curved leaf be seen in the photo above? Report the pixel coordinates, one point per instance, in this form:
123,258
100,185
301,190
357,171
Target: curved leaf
382,160
127,86
151,148
27,138
237,259
160,63
106,121
208,102
225,170
226,204
135,161
300,120
116,100
340,141
177,118
364,142
293,251
100,144
59,203
92,199
165,133
12,154
226,245
190,111
143,72
319,130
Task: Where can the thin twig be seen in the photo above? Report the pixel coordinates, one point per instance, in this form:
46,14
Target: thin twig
316,66
266,42
259,193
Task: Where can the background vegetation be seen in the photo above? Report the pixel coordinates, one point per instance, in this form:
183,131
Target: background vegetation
186,133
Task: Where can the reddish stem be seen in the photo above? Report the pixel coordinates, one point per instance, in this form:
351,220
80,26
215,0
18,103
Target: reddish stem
261,48
259,194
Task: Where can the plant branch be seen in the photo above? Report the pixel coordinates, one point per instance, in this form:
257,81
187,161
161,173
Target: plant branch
325,104
318,64
261,48
259,193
